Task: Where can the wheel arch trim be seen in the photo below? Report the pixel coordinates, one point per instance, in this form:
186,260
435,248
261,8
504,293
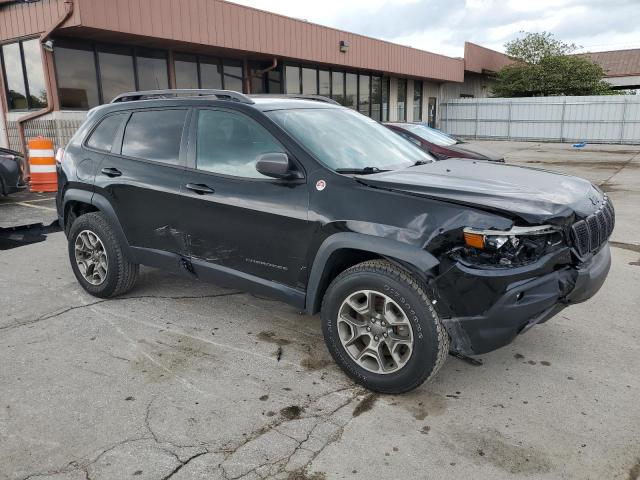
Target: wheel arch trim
401,253
105,207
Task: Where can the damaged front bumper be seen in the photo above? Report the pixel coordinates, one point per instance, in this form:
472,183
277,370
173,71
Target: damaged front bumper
488,308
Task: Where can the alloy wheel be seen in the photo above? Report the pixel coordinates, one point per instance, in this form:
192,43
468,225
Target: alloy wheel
375,331
91,257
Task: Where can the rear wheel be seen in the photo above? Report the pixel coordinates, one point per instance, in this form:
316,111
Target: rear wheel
381,328
97,259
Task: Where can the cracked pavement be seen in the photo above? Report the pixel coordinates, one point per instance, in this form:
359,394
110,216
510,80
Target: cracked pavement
184,380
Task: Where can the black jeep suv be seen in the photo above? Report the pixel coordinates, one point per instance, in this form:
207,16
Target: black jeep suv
323,208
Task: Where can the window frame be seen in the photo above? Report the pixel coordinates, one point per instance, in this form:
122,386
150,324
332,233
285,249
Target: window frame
25,78
192,142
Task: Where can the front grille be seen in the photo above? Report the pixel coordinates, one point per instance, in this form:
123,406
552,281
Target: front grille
589,234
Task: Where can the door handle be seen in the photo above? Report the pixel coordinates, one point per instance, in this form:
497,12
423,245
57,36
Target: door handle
200,188
111,172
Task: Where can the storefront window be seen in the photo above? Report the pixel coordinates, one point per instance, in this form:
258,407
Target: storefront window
402,100
81,87
351,91
116,71
292,75
23,74
324,83
337,87
274,81
77,77
364,101
210,73
152,70
35,75
309,81
376,98
17,90
232,75
186,70
195,71
417,101
385,99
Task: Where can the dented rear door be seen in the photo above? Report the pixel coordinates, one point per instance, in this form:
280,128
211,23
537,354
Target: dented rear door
141,178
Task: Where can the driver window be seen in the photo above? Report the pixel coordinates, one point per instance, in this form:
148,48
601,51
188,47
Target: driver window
229,143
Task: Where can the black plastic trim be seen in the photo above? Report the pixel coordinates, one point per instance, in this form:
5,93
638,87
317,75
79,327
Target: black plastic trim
419,259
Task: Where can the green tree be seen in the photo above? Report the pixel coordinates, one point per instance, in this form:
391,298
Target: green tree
534,46
545,67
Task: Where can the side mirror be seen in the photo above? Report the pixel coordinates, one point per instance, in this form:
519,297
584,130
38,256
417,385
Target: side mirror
276,165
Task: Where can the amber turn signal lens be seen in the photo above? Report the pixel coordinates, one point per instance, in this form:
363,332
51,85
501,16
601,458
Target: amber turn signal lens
474,240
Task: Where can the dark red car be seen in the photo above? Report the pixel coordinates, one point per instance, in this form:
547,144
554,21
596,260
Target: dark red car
441,145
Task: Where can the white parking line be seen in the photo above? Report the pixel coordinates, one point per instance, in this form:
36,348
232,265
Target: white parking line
25,204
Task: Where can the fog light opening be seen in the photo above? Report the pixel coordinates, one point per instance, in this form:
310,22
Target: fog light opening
519,296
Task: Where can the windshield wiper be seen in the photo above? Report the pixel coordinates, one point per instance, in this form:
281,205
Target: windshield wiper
360,171
422,162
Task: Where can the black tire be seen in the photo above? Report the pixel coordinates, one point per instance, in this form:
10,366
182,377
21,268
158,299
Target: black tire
431,342
121,274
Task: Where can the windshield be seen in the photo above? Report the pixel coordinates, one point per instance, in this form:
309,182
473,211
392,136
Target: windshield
431,134
344,139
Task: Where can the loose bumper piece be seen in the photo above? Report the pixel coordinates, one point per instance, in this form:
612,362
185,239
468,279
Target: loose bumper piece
518,304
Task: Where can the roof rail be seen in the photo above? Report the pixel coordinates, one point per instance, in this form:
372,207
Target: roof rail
317,98
183,92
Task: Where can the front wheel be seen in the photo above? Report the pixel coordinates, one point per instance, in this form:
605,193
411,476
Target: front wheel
97,259
381,328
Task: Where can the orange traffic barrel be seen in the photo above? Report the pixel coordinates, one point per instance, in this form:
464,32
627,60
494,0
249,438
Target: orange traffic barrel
42,164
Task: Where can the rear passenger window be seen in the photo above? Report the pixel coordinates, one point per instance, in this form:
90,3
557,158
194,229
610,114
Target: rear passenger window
229,143
154,135
103,136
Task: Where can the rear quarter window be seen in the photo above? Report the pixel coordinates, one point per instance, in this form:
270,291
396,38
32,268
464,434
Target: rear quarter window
103,136
154,135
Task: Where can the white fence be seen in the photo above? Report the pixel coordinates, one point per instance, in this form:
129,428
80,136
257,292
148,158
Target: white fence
598,119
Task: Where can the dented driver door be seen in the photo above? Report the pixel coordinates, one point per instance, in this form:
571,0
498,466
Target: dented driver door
235,217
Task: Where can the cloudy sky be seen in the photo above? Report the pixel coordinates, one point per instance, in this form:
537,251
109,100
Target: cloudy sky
442,26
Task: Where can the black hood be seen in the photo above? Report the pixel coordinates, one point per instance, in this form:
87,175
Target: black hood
476,151
534,195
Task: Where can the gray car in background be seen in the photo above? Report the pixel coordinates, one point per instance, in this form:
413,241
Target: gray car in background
11,171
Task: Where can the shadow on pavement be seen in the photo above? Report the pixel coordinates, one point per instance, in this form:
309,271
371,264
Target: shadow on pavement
21,235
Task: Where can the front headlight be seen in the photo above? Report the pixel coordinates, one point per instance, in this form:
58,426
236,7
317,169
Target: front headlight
518,245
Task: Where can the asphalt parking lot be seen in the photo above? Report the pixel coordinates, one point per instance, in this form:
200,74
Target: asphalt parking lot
186,380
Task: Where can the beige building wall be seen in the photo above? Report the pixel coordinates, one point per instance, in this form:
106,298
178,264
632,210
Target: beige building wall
475,84
429,89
